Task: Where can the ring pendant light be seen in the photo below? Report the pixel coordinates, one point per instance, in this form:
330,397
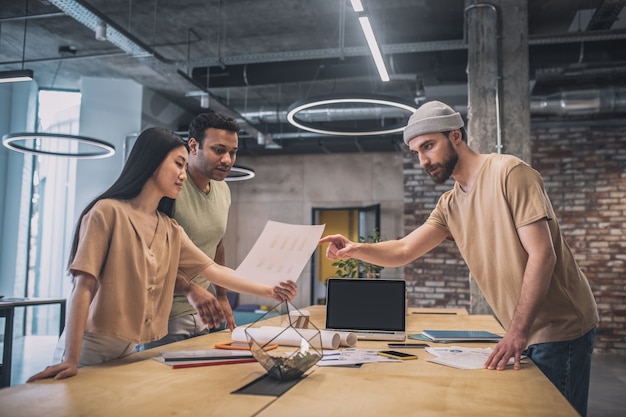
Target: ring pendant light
329,101
41,144
239,173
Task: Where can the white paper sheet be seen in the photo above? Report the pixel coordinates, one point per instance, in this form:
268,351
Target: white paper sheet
280,253
348,357
461,357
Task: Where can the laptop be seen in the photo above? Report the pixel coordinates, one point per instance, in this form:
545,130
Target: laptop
372,309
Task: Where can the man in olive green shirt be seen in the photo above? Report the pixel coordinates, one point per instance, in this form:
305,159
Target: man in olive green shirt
202,210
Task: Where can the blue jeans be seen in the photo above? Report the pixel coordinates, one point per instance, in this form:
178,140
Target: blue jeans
568,366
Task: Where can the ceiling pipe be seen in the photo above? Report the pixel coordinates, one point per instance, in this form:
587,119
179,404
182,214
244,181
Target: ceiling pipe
580,102
399,49
606,14
594,101
325,115
31,17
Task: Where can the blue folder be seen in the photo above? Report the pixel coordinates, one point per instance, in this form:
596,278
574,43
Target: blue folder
461,336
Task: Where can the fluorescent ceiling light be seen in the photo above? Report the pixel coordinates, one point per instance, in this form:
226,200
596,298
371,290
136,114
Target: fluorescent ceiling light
373,45
16,76
357,6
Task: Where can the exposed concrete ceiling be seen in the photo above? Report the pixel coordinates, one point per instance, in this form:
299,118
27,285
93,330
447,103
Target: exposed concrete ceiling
261,56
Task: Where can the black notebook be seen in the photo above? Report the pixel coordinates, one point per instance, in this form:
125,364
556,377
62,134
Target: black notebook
461,336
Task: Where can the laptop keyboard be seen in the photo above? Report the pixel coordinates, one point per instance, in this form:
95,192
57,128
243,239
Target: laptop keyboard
373,334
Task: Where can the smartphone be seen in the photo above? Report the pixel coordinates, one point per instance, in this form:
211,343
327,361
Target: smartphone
397,355
407,345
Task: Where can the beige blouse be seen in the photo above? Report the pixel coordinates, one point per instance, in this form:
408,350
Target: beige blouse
135,282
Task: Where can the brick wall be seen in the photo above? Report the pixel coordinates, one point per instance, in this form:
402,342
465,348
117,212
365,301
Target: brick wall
439,279
583,169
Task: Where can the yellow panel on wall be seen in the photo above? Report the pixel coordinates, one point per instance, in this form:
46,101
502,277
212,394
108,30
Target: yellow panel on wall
344,222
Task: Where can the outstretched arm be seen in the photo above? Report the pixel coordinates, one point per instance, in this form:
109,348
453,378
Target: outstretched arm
225,277
80,299
390,253
537,242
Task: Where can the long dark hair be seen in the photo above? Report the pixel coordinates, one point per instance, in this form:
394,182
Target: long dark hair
149,151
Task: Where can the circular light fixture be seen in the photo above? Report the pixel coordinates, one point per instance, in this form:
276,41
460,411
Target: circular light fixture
361,107
51,143
238,173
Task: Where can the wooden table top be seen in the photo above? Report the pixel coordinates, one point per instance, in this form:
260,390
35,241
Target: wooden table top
140,386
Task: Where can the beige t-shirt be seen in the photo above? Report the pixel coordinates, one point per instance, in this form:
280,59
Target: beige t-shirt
135,283
507,195
204,217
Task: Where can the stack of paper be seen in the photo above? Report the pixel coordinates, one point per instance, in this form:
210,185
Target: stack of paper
192,358
461,357
351,357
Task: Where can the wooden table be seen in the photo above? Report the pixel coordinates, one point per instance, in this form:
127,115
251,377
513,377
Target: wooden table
7,310
139,386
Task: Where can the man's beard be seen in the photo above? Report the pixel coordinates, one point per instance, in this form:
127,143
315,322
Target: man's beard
448,167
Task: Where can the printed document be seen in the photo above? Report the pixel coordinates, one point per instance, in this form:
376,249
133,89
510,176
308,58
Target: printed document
352,356
461,357
280,253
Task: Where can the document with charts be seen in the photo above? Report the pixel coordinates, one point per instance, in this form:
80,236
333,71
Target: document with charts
280,253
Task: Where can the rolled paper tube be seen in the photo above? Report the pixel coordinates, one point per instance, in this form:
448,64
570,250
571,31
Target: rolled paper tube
300,319
347,339
285,336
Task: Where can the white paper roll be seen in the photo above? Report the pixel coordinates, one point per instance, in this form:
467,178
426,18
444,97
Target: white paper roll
290,337
347,339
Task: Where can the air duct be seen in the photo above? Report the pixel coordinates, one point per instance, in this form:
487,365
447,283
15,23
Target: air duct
324,115
580,102
566,103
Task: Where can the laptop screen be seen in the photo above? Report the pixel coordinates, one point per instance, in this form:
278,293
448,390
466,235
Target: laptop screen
365,304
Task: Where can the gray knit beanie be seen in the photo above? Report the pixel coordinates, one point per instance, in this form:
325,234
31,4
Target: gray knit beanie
432,117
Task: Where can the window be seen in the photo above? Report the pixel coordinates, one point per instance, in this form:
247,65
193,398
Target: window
51,211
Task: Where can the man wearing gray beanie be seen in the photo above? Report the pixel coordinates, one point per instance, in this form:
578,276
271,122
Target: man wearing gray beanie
503,223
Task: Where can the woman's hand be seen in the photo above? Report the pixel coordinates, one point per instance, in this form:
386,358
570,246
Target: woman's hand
286,291
59,371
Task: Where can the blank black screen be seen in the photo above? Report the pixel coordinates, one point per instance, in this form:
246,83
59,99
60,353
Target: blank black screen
365,304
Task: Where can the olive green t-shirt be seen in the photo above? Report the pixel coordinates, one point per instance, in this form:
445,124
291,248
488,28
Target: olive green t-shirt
204,218
507,195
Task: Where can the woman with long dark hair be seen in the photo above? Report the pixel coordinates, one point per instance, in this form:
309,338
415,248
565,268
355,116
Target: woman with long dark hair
125,256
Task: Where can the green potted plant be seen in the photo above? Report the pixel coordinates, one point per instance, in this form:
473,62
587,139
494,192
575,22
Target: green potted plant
354,268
